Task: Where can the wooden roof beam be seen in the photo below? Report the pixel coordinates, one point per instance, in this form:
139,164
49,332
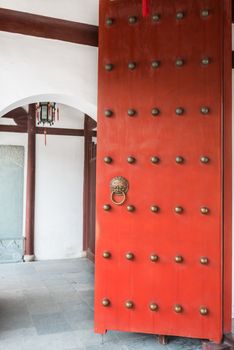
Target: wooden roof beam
48,27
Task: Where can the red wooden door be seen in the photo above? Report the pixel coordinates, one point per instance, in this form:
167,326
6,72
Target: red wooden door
160,127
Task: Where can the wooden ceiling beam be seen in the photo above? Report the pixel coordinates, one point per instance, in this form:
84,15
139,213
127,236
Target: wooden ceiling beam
13,128
19,115
48,27
15,113
60,131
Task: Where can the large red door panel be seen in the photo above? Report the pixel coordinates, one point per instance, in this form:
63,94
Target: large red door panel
185,94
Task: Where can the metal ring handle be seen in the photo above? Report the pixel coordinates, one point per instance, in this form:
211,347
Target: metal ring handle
123,194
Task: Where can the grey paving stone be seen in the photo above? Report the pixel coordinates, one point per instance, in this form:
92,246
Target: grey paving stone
107,347
184,343
48,305
146,343
15,321
63,296
127,336
43,308
79,317
50,323
87,337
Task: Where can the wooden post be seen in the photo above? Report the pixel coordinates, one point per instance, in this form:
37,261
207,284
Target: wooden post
30,194
89,125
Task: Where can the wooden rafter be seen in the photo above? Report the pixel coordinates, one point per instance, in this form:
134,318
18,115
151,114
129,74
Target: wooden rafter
48,27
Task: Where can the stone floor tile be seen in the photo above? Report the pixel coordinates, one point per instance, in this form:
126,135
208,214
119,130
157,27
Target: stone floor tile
48,305
43,308
107,347
63,296
89,338
79,317
17,334
184,343
127,336
15,322
50,323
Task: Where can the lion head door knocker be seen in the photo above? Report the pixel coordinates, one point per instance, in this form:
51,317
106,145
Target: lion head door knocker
119,188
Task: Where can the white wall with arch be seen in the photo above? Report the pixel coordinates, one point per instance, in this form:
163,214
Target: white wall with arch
59,188
34,68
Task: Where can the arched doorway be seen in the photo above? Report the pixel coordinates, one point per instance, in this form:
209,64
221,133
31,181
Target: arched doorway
61,168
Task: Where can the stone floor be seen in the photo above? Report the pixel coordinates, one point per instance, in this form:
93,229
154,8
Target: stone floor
49,305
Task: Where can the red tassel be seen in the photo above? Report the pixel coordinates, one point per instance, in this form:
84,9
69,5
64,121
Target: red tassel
57,113
145,7
45,136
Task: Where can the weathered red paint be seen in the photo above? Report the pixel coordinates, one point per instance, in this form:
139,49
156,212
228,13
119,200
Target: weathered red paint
166,184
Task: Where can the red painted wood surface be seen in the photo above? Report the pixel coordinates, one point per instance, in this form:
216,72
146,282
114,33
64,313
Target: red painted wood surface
166,184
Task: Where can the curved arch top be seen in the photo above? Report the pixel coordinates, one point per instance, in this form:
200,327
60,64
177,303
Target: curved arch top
69,100
35,69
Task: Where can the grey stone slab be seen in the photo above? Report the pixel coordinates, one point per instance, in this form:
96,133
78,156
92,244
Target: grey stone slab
13,321
63,296
67,306
55,341
83,287
147,343
16,334
43,308
78,318
184,343
107,347
88,297
55,287
127,336
87,337
50,323
48,305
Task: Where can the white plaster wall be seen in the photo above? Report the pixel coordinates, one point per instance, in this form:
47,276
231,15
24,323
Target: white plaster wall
41,69
59,191
59,188
85,11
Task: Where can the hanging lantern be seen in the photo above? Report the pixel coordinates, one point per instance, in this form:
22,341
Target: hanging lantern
46,113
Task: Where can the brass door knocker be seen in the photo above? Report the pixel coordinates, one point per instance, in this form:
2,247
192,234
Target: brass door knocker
119,187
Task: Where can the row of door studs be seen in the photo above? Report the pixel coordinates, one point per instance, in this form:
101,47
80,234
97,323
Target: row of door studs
157,17
129,304
179,259
155,111
156,160
156,209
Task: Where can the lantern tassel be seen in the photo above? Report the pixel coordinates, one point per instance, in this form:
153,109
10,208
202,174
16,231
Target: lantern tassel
145,7
45,136
57,113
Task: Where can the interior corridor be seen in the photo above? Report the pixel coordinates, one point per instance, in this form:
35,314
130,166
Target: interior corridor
49,305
